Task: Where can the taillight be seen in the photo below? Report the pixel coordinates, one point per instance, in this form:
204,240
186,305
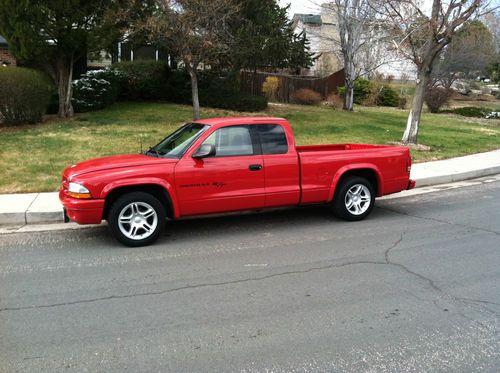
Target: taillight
408,164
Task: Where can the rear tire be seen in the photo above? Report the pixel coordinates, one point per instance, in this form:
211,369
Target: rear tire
137,219
354,198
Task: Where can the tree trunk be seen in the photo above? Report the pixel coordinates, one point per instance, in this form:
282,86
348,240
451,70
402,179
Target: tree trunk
349,83
410,135
194,93
64,86
349,97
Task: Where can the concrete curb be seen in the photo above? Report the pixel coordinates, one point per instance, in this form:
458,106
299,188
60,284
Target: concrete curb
42,208
450,178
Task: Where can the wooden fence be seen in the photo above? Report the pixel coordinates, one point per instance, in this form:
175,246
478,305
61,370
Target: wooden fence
252,83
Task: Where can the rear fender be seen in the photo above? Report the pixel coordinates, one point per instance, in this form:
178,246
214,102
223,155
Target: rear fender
142,181
353,167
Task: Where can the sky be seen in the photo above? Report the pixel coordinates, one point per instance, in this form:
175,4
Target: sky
300,6
311,6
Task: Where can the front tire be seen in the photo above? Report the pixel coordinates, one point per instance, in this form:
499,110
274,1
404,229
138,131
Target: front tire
136,219
354,199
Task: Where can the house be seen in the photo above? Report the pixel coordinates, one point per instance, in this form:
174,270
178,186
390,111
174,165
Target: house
322,32
6,58
126,52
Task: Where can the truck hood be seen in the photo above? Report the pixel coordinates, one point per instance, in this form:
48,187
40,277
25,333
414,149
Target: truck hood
113,162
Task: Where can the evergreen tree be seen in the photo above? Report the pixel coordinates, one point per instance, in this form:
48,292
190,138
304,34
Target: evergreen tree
55,34
265,39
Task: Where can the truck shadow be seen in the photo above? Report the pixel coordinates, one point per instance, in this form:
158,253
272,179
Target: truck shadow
259,223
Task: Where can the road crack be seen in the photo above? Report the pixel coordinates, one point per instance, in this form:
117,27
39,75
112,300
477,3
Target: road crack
196,286
440,221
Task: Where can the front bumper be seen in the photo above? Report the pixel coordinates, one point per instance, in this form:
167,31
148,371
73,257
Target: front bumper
82,211
411,184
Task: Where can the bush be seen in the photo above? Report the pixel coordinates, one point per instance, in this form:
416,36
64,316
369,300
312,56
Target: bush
306,96
387,97
233,101
402,102
144,80
436,97
96,89
24,95
335,101
270,88
362,88
470,111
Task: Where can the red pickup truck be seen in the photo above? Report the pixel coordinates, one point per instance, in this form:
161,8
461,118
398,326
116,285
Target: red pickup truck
228,164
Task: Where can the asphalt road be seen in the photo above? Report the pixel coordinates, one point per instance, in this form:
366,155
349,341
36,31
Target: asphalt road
416,287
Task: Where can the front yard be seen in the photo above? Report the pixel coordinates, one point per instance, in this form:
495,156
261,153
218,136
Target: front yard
33,157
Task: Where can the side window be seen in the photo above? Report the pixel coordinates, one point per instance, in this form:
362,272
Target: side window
272,138
230,141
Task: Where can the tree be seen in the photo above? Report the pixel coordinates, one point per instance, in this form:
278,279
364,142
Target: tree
360,37
421,36
265,38
55,34
467,56
197,31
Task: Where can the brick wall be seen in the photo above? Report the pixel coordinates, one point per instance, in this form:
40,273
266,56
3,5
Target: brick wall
6,56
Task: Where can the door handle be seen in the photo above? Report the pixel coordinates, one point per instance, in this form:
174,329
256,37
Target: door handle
255,167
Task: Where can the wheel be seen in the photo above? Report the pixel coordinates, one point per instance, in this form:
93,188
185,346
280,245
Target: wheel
354,199
136,219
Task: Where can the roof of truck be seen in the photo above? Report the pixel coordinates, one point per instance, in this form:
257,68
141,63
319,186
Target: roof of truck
240,120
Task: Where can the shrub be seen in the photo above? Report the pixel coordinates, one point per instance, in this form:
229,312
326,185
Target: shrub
470,111
270,88
24,95
436,97
233,101
306,96
335,101
402,102
387,97
362,88
144,80
96,89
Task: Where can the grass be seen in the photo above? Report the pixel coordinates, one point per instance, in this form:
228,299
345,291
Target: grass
32,157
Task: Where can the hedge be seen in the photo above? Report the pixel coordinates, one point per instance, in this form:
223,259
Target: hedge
24,95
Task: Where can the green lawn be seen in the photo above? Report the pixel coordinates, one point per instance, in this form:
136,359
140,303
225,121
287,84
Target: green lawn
32,157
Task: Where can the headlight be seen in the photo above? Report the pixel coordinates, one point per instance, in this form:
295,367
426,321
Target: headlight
78,191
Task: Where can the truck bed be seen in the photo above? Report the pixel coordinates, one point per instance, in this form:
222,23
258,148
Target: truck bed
336,147
320,165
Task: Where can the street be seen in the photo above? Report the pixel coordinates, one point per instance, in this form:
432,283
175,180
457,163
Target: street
413,288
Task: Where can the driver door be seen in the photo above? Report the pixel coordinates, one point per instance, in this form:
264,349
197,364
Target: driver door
231,180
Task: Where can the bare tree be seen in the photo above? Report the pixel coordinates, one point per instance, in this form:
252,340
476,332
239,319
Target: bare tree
197,31
420,35
360,37
468,55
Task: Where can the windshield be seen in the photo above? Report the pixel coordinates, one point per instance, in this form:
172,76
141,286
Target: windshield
176,144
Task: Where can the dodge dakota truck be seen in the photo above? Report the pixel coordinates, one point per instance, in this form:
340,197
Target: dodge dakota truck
221,165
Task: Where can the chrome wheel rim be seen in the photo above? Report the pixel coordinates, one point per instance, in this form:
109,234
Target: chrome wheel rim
138,220
358,199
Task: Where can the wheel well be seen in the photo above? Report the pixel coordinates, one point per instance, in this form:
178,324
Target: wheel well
156,190
366,173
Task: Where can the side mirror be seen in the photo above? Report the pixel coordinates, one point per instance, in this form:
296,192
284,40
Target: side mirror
205,150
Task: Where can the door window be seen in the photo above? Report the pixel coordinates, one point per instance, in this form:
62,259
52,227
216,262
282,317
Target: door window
272,138
231,141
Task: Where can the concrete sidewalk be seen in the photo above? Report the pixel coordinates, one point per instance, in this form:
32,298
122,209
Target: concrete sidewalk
36,208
